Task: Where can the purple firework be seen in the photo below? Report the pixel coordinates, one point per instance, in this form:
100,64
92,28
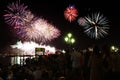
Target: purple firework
16,13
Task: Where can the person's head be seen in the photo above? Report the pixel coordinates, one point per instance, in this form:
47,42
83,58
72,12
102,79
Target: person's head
106,49
96,50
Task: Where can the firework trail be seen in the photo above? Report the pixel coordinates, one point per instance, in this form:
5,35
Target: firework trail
70,13
95,25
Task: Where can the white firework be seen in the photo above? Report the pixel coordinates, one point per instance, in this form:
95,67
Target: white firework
40,30
95,25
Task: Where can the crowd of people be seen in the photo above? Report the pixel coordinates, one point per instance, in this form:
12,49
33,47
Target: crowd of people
99,64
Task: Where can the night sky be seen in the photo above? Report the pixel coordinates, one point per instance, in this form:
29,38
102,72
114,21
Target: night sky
52,10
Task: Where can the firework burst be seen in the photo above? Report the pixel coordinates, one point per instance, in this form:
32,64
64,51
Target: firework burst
29,27
40,30
95,25
16,13
71,13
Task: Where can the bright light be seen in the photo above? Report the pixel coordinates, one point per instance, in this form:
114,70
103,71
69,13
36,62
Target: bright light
69,38
72,40
63,51
114,49
28,48
69,35
66,39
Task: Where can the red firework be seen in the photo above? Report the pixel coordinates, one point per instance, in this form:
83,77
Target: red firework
71,13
